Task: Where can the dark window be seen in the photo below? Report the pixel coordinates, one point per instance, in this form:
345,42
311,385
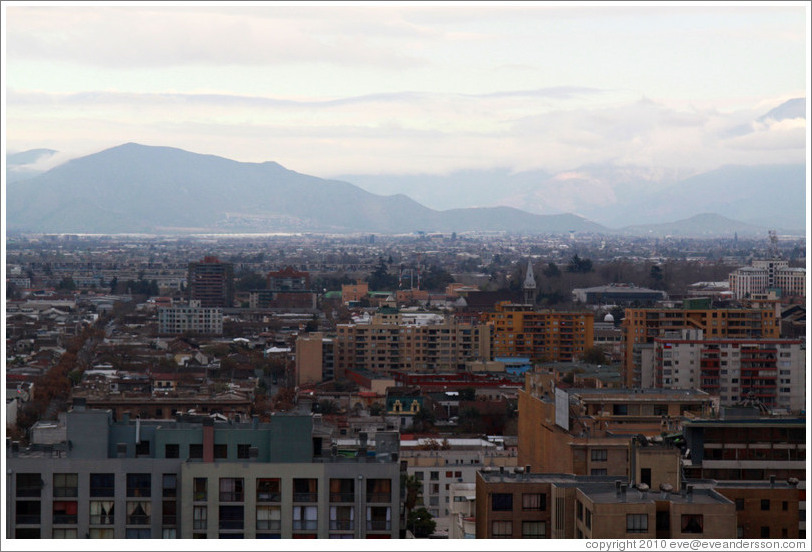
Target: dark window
663,520
305,490
231,517
379,490
139,484
26,533
28,512
765,532
29,484
692,523
172,450
502,502
170,485
599,455
765,503
231,489
102,484
645,476
195,451
137,534
169,513
242,451
342,490
221,452
142,448
200,488
785,505
620,409
269,490
65,511
739,504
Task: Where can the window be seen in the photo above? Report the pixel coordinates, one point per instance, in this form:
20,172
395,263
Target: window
598,471
139,484
599,455
765,504
342,490
196,451
169,533
579,510
269,490
29,484
534,529
243,450
692,523
65,534
305,518
502,502
739,504
379,518
534,501
305,490
637,523
379,490
434,476
231,489
66,485
102,533
785,505
502,530
342,518
221,452
65,511
418,475
28,512
765,532
588,518
171,450
200,517
137,534
269,518
170,485
199,488
142,448
138,513
101,512
232,517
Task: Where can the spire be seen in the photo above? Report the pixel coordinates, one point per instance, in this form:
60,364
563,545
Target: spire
529,279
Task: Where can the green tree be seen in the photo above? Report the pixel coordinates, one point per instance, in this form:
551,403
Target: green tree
412,490
594,355
421,523
551,270
578,265
248,281
423,420
67,284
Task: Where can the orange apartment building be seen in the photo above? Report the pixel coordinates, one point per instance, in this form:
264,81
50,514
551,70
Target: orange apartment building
546,335
642,326
585,431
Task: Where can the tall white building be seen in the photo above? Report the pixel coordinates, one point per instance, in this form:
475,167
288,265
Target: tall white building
771,371
191,318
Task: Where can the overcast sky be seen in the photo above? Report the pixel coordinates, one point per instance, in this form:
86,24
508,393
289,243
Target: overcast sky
399,88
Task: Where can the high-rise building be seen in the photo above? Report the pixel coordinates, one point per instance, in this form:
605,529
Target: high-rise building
767,274
211,282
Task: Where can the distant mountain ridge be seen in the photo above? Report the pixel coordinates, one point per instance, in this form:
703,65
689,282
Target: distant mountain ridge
137,188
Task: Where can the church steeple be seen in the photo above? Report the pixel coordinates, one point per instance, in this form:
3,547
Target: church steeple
529,285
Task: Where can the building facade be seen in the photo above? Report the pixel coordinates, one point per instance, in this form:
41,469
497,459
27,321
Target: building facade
211,282
190,319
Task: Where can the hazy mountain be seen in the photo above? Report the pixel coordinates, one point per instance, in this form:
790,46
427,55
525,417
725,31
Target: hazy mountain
705,225
23,164
136,188
790,109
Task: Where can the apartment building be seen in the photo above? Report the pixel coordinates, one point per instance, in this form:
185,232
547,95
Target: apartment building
642,326
531,505
585,431
200,479
546,335
771,371
392,340
190,319
211,282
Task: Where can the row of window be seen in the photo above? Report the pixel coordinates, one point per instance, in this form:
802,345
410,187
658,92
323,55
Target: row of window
530,530
102,512
503,502
66,485
305,518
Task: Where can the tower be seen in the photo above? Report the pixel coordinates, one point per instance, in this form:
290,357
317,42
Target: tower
529,285
211,282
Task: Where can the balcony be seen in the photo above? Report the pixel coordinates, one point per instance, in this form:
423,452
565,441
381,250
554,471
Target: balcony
305,497
342,497
379,525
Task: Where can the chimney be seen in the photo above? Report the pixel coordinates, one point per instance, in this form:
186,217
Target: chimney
208,440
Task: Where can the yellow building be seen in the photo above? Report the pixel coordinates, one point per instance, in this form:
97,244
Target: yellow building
546,335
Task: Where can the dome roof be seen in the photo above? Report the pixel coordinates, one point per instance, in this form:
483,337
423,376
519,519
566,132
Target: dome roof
609,318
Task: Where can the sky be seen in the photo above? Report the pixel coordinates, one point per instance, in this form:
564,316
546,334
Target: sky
405,88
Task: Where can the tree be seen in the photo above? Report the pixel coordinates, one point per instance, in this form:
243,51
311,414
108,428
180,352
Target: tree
66,283
421,523
594,355
248,281
467,394
423,420
412,489
578,265
552,270
375,409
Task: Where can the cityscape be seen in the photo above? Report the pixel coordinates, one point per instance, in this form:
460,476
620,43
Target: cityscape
576,344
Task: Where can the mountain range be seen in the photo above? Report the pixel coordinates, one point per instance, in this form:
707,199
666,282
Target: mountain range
135,188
